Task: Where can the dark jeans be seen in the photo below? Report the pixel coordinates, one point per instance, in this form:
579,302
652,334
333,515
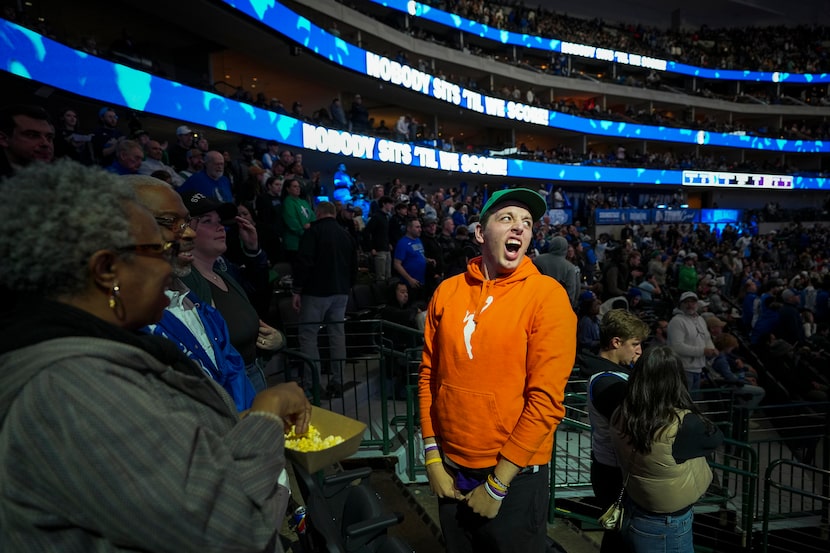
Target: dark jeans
606,482
520,526
256,376
658,533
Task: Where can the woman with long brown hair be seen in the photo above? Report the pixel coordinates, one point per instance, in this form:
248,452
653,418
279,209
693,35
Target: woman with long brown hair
661,440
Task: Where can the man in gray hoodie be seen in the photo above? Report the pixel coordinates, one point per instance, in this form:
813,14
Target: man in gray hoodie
554,265
688,335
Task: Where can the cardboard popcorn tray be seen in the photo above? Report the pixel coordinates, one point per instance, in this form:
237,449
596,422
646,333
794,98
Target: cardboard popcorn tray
330,423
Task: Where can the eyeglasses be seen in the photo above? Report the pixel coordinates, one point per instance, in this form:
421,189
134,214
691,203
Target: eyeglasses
165,250
173,224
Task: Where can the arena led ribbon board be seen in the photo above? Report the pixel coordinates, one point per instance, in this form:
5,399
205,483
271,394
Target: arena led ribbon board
29,55
296,27
423,11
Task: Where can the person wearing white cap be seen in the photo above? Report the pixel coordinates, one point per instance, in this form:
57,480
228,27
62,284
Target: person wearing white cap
177,154
688,336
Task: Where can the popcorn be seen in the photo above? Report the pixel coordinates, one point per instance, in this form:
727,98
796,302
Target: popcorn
310,441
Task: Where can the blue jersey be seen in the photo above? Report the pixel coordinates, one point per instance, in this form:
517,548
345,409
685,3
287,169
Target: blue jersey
410,252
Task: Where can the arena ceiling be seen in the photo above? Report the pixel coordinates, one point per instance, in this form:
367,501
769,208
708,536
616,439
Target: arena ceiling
694,13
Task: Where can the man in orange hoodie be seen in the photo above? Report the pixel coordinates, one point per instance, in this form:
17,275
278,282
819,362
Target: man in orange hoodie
499,346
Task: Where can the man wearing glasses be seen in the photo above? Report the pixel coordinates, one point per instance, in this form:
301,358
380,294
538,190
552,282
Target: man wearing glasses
210,181
195,326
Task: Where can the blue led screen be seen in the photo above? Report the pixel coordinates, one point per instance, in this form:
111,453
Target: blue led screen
30,55
300,29
719,215
416,9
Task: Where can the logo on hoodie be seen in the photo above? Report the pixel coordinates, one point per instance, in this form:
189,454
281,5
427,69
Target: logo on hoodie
470,326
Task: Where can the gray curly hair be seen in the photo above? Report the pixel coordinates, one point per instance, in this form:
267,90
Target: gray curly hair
52,218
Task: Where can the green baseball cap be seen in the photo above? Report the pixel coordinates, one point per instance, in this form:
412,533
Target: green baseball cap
534,202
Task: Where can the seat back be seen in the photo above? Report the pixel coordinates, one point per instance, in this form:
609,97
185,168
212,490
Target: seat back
344,515
363,523
362,302
363,296
392,544
361,504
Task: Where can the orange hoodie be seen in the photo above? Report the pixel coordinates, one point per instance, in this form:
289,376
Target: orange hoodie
497,355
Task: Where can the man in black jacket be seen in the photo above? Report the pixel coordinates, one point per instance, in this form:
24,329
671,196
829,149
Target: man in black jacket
398,223
376,236
323,276
790,327
434,255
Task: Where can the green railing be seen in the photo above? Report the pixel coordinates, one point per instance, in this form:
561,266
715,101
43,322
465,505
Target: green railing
798,432
800,429
570,466
734,484
814,504
355,386
382,362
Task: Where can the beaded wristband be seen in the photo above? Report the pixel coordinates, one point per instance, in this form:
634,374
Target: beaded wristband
496,484
499,482
498,496
432,461
266,415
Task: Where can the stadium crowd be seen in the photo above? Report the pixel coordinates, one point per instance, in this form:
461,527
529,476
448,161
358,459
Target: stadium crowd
722,300
403,233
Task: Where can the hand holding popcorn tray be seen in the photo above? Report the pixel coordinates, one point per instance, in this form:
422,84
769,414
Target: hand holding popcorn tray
331,437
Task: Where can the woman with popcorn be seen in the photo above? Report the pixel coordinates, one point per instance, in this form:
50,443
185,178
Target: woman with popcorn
112,440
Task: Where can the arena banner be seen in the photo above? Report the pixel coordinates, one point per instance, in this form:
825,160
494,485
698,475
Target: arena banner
639,216
610,216
675,215
560,216
623,215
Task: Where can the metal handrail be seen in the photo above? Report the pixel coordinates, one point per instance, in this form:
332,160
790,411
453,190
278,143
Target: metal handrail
769,484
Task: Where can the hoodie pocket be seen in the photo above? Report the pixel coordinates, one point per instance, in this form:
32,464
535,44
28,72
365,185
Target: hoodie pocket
470,419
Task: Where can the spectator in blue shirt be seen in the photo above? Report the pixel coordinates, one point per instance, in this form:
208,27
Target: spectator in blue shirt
748,304
210,181
409,261
732,370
